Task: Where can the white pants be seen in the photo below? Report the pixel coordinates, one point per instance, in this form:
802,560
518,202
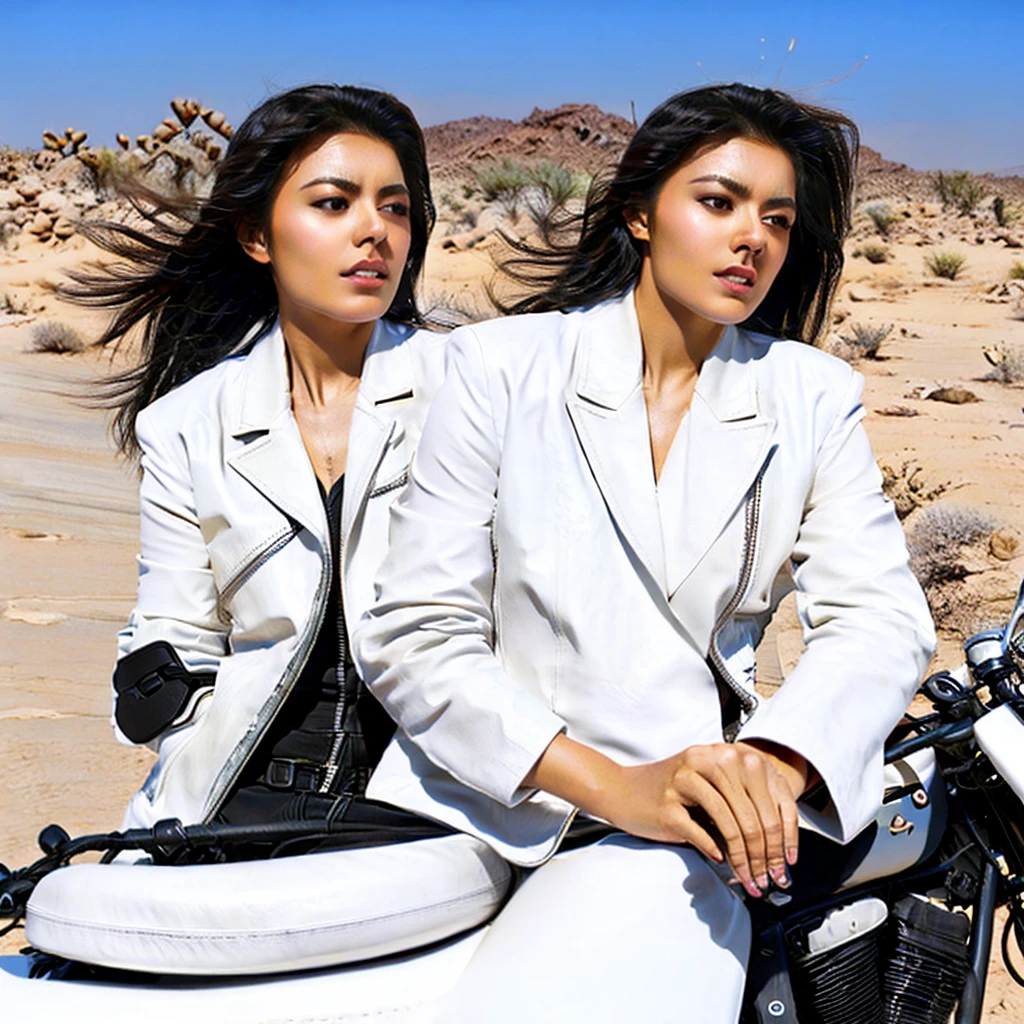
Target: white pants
620,931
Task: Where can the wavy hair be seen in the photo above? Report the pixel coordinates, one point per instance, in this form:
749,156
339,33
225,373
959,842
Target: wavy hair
601,260
182,273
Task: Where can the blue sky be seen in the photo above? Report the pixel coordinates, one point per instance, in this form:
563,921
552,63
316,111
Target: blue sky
942,86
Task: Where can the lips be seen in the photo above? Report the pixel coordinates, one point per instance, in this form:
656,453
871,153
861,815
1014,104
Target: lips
743,277
367,270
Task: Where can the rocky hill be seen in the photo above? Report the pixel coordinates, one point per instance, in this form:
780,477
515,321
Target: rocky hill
578,135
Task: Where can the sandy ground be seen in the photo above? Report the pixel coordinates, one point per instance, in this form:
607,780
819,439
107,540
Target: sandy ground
68,514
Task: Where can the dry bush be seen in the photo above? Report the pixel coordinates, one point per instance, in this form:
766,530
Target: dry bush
882,214
1016,272
939,545
56,336
945,264
462,215
864,340
907,488
1007,363
873,252
959,189
938,539
558,183
503,181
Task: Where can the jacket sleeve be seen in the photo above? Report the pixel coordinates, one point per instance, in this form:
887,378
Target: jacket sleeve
426,648
177,598
866,626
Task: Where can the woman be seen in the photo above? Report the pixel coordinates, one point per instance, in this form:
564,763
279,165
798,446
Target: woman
611,496
284,380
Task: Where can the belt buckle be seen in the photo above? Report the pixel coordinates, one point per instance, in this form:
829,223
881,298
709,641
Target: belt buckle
280,774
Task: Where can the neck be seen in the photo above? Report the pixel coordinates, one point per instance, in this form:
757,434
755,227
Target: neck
325,356
676,341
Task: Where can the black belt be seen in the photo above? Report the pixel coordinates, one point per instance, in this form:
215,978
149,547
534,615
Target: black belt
288,776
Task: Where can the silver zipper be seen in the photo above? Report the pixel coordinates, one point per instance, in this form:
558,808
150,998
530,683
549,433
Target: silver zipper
749,701
271,548
332,766
240,755
400,481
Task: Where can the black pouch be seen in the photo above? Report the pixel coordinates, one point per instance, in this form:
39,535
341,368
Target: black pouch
153,688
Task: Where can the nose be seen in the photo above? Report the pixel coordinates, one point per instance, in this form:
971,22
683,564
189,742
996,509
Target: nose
751,232
371,226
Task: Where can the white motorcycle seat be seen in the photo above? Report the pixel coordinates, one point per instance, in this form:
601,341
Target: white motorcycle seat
258,917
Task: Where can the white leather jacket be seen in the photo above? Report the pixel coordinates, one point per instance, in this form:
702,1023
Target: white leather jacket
539,580
235,561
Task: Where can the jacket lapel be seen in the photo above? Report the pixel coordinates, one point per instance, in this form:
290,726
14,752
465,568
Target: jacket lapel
727,442
272,457
606,405
377,452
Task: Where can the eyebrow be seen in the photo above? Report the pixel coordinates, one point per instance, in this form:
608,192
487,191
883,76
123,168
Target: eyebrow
741,191
344,185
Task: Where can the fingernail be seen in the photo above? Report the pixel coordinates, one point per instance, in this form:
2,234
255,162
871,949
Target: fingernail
752,889
734,881
780,877
791,856
762,881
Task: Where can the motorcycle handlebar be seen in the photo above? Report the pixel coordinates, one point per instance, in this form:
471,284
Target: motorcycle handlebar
951,732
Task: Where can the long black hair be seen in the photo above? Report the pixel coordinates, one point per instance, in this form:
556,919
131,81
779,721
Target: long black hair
601,259
183,273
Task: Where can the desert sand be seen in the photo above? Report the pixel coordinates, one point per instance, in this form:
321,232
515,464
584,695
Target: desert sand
68,506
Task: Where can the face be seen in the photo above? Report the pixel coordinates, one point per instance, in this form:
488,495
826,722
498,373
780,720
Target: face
718,231
339,232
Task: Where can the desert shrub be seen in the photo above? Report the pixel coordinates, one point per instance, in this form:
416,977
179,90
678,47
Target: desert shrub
873,252
945,264
503,181
461,214
1016,272
1007,364
907,488
938,539
557,182
866,339
56,336
958,189
882,214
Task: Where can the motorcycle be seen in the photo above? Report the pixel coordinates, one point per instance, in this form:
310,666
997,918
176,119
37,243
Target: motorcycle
876,932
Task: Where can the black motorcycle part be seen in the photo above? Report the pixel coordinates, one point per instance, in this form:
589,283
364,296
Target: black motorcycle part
928,962
770,998
153,688
841,985
52,838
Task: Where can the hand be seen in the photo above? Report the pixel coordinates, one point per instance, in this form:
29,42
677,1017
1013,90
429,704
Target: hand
745,791
742,791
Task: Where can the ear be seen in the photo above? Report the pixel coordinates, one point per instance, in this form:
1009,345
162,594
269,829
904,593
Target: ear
253,241
636,222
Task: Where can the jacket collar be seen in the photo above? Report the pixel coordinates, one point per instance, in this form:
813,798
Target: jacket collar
727,437
265,398
273,457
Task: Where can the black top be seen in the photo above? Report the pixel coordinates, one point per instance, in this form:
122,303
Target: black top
330,725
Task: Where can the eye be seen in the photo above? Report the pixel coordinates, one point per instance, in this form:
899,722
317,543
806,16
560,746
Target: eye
779,220
398,208
335,204
716,202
